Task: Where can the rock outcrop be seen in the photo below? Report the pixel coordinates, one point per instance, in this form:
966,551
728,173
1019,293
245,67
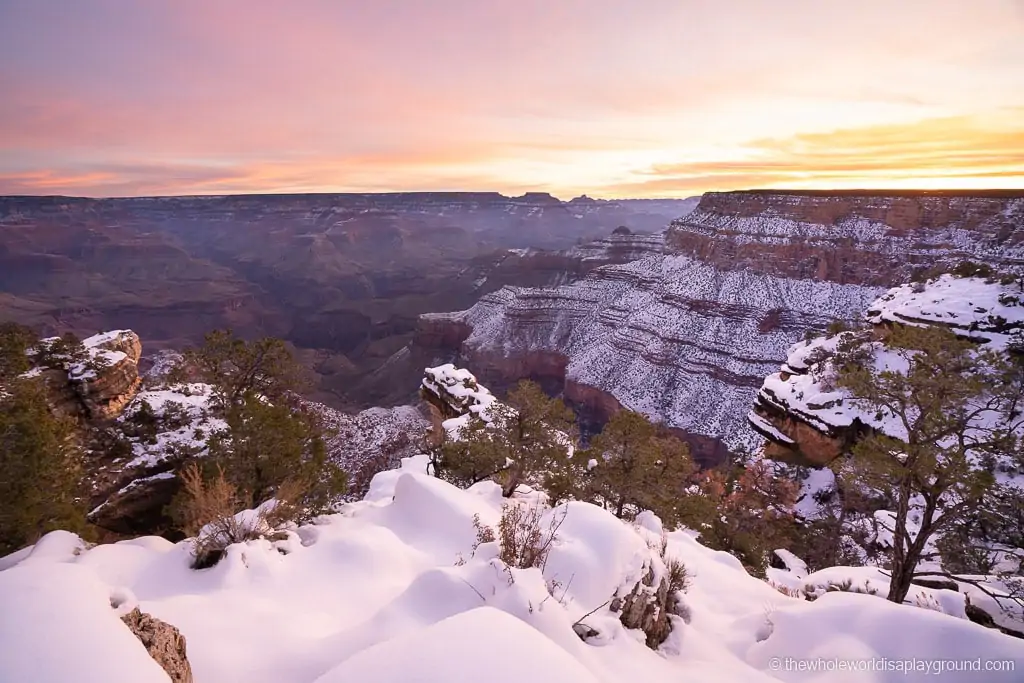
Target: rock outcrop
105,393
453,397
95,381
649,608
806,420
163,642
687,332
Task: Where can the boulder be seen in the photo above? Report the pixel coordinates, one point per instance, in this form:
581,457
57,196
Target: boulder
105,393
163,642
648,608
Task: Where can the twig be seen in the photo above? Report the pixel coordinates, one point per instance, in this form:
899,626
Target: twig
591,612
474,589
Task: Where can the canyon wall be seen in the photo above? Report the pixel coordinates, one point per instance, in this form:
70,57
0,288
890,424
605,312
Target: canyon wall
687,331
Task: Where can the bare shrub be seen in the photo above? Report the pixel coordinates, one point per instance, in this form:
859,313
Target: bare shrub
204,500
678,578
524,541
787,591
484,533
207,512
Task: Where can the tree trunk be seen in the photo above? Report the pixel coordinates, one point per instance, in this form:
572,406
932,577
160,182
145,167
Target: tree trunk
899,584
902,569
619,506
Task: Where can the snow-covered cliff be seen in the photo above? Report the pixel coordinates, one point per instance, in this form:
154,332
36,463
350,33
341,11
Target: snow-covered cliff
687,332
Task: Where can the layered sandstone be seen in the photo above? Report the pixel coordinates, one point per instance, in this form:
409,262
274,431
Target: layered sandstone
343,277
95,381
686,333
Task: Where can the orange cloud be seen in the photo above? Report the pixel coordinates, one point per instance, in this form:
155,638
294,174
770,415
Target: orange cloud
942,153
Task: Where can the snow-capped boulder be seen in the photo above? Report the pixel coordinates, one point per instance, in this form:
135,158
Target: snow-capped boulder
95,381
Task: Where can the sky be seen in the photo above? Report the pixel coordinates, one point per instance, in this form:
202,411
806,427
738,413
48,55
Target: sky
612,98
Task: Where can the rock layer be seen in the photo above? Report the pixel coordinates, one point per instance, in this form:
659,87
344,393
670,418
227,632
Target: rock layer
687,332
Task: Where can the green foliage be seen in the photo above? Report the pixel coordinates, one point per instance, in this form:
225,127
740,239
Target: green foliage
15,340
143,423
58,352
745,511
40,465
638,468
954,404
235,367
268,445
982,542
528,439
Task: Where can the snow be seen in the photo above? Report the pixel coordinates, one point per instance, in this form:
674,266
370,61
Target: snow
648,331
794,564
849,630
460,390
765,427
978,308
984,310
104,338
193,398
95,357
492,643
193,401
390,589
58,626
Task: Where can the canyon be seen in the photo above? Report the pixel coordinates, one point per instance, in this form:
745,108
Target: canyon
342,277
687,331
659,306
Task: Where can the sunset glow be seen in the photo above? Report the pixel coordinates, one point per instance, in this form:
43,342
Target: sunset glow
607,98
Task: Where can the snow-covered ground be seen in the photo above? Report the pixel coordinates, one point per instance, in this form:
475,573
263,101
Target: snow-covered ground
985,310
192,402
377,594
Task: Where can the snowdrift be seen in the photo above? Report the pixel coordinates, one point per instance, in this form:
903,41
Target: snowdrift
378,593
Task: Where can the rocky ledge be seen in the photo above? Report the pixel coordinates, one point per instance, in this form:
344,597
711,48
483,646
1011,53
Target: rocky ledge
807,420
95,380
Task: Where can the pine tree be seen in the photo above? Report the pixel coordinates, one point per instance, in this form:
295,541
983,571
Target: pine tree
949,407
637,467
40,467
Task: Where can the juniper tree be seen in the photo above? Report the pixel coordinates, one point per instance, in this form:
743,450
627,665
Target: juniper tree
638,467
273,440
951,411
235,367
15,340
527,436
271,445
